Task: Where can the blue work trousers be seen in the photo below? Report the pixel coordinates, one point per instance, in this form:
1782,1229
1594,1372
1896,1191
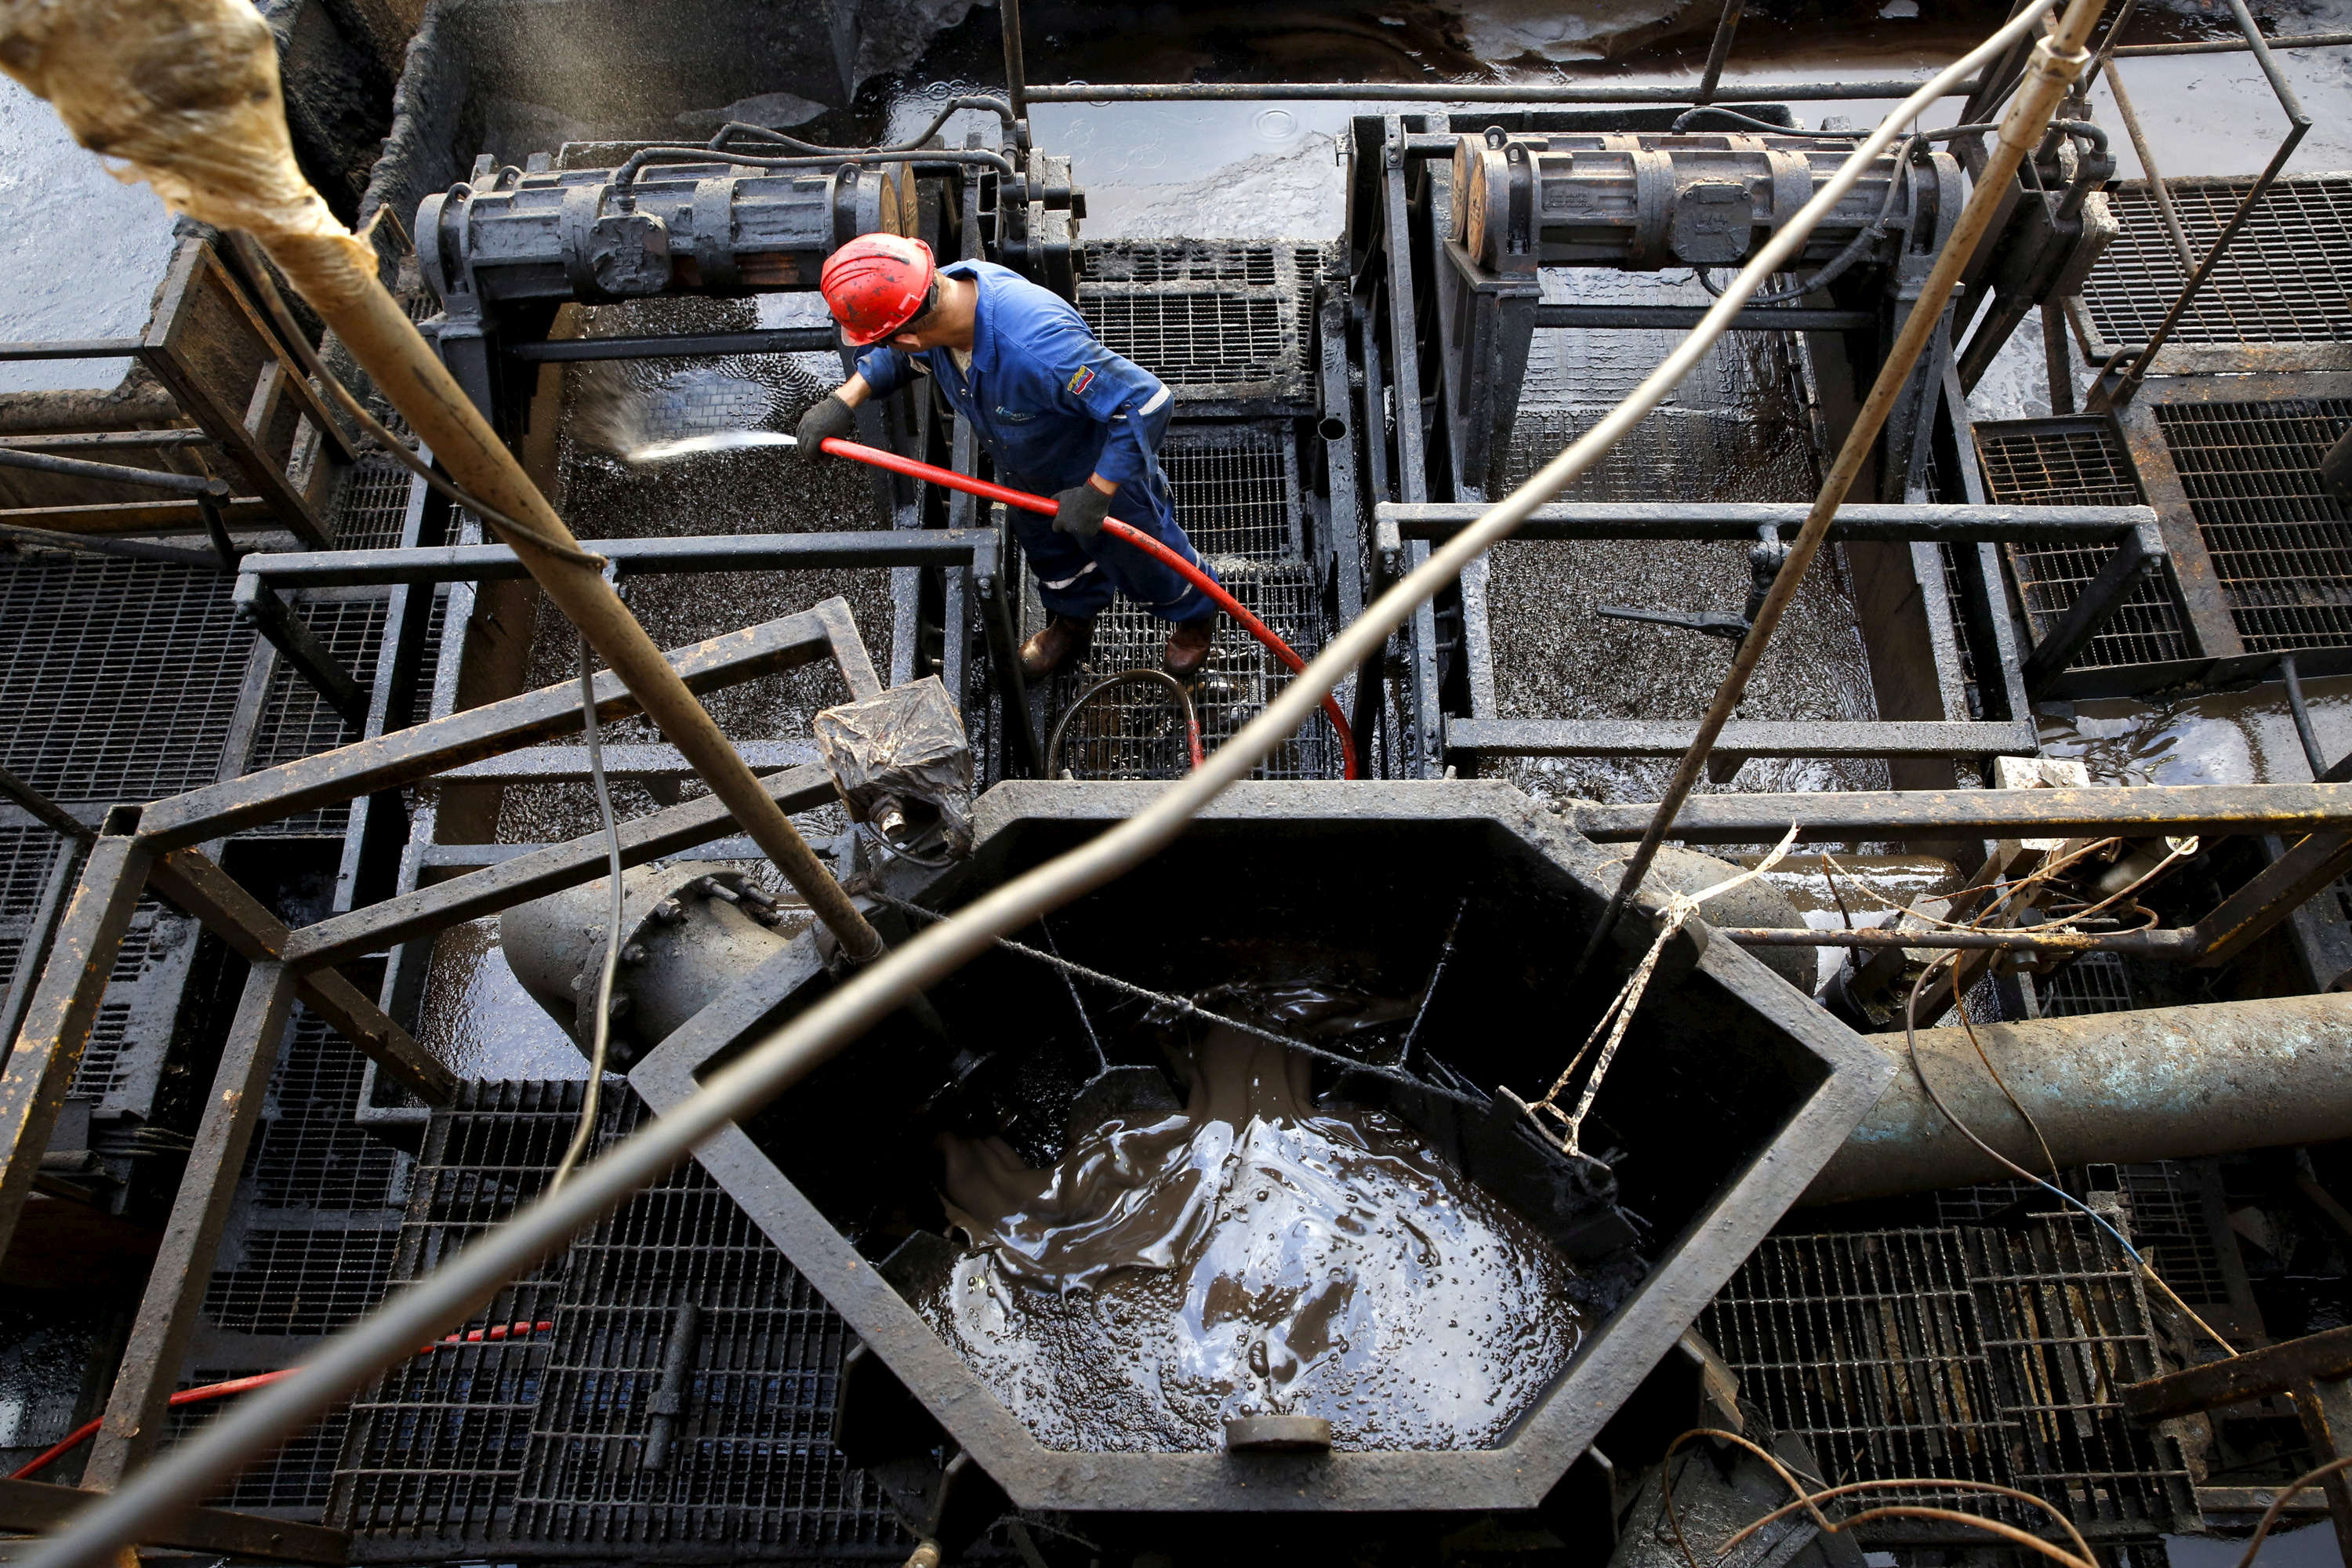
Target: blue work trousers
1077,575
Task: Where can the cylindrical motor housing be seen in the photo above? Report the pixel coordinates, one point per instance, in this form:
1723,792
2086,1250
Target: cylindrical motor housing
1643,201
689,933
685,228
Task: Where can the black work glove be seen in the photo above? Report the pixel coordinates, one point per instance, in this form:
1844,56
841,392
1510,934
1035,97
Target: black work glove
1083,508
830,417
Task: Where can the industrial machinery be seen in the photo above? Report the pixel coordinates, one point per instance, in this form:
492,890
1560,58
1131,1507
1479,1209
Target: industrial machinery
335,943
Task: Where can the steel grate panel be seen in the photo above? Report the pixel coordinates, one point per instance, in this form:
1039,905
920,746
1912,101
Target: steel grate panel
296,721
2095,983
538,1440
1236,495
2168,1226
293,1479
1209,319
372,508
27,854
310,1152
99,1072
1978,1354
302,1282
1236,490
2281,545
1192,337
2066,1328
2075,462
2281,280
118,679
1865,1345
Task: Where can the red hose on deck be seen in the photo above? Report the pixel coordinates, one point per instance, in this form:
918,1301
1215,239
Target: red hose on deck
198,1395
1124,532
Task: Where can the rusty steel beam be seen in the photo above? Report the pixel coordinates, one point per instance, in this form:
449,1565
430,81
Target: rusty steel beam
2163,1083
539,873
2144,811
64,1006
2273,1369
405,756
39,1508
183,1270
238,918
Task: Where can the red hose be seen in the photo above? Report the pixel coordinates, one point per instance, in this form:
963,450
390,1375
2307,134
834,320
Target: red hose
199,1395
1124,532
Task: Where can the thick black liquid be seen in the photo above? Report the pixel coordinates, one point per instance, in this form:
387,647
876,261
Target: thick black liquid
1255,1253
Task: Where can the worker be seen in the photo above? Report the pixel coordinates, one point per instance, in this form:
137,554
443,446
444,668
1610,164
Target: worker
1060,414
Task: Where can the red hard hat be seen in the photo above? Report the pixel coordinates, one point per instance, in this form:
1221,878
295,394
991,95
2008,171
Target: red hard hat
876,284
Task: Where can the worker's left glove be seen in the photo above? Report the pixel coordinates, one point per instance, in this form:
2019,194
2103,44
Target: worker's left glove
1081,510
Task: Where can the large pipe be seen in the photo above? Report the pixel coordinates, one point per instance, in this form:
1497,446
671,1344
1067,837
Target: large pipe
2165,1083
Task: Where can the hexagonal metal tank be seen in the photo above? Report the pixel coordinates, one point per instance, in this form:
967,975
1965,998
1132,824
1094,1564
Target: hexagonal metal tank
1730,1093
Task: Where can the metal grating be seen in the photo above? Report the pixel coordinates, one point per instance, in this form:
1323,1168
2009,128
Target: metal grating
2095,983
1194,337
538,1440
2075,462
100,1071
296,721
2281,280
118,679
293,1479
2170,1225
301,1281
372,508
2066,1328
1865,1345
1236,492
1209,319
26,855
310,1152
2281,545
1981,1354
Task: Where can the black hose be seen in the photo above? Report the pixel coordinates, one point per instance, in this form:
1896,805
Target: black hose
1687,115
916,142
1160,677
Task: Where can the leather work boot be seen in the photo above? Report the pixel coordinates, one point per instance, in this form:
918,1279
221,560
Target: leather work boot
1187,647
1059,641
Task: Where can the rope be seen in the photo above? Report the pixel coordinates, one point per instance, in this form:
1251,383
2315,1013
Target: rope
1193,1009
1620,1013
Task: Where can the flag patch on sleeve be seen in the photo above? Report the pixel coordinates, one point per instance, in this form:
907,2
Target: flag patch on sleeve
1080,379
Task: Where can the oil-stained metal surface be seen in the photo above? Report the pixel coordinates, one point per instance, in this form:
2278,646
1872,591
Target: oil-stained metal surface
1838,1077
1859,815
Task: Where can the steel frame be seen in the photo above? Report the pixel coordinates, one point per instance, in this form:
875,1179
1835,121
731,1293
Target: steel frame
156,846
1762,1181
282,419
1466,739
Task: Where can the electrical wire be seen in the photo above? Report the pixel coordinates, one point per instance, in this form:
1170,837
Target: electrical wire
1125,677
1919,1071
1811,1502
599,1029
914,143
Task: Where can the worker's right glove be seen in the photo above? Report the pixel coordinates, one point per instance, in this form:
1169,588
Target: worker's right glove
1080,510
826,418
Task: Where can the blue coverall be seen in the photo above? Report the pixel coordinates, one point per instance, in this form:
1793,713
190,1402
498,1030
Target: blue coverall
1053,406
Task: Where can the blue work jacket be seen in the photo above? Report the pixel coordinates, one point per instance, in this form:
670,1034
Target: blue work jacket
1050,402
